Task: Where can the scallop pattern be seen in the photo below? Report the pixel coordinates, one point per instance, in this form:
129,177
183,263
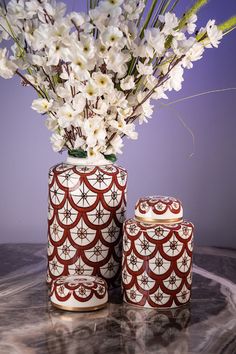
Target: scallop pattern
86,212
157,264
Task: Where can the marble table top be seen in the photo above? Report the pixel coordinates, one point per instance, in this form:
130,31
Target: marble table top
29,324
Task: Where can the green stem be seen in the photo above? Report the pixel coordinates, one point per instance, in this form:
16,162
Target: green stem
158,13
228,24
174,5
193,10
230,30
148,18
141,15
13,36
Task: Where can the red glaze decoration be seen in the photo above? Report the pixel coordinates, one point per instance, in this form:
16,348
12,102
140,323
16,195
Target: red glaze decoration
82,289
87,207
157,261
158,205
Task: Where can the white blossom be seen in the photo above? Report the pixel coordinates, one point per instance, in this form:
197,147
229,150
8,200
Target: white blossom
41,105
214,35
97,74
156,39
191,24
66,115
127,83
57,142
144,69
170,22
7,67
112,37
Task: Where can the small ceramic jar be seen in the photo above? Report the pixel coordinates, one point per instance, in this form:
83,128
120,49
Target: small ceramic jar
157,254
79,293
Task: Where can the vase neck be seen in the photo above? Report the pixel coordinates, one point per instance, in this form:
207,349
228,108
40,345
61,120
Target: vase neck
99,161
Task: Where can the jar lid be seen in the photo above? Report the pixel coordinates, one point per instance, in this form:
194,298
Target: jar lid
159,209
79,293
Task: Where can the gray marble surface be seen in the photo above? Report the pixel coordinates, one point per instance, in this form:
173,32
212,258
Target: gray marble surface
29,324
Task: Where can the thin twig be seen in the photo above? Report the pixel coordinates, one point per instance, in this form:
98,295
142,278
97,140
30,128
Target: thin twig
198,95
30,83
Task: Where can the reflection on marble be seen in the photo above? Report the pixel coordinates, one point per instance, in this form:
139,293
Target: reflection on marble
29,324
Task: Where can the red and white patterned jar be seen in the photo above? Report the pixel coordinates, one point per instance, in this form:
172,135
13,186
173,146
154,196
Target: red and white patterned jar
79,293
87,206
157,254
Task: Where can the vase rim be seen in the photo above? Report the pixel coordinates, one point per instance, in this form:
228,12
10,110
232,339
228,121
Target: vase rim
99,161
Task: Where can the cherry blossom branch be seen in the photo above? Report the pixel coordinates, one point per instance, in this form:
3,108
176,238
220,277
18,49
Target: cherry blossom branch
49,80
160,82
30,84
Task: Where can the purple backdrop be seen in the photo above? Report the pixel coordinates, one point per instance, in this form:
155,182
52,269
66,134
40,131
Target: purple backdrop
160,162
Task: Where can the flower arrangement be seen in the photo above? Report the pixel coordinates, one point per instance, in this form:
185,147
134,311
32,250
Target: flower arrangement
96,73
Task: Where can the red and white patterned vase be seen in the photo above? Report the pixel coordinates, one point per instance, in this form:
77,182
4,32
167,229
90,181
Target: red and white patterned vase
87,205
157,254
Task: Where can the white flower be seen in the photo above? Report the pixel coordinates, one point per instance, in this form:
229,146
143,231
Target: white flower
159,93
176,78
127,83
156,40
127,128
94,129
79,64
97,75
66,115
191,25
91,91
131,31
93,152
51,123
57,142
41,105
193,54
32,7
146,109
16,8
86,47
144,69
78,18
108,5
79,102
116,61
125,112
102,107
79,142
64,91
103,82
7,67
134,8
112,37
116,145
214,35
170,23
56,11
150,82
190,49
143,51
56,53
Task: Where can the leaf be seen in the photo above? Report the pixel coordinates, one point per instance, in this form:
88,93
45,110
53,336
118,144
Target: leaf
78,153
111,157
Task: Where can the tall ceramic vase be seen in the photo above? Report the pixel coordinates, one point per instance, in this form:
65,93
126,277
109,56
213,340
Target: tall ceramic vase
87,205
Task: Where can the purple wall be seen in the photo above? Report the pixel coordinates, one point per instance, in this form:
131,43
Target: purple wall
158,163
